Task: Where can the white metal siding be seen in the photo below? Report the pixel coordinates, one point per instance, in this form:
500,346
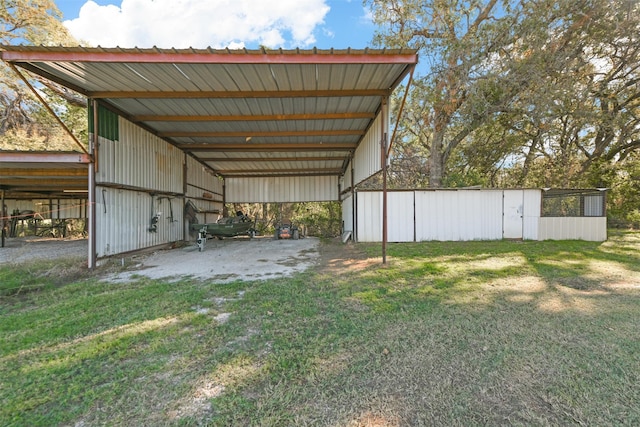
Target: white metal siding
347,213
573,228
367,156
593,205
124,218
531,217
346,178
458,215
200,184
369,216
282,189
140,159
400,212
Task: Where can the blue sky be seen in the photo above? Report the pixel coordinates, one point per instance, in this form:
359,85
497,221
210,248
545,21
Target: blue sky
219,23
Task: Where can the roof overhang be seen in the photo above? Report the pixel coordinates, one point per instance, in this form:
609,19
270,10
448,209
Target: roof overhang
240,112
32,175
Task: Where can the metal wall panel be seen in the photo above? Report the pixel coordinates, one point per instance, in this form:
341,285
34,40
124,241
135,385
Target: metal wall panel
140,159
593,205
347,214
400,214
124,218
572,228
369,216
281,189
202,184
367,156
531,216
458,215
347,182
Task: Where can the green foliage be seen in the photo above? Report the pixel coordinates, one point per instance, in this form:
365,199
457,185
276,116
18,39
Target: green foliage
320,219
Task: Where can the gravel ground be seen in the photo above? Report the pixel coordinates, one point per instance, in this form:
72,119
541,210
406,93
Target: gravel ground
227,260
25,249
222,260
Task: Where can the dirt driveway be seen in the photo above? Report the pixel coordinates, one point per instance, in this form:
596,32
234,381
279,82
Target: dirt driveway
221,260
228,260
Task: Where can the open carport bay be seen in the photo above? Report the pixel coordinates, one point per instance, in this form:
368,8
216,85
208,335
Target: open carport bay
222,260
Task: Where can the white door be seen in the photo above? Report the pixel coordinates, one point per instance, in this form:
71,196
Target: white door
512,213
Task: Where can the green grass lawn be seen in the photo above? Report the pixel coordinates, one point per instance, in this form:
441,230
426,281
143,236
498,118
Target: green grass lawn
453,333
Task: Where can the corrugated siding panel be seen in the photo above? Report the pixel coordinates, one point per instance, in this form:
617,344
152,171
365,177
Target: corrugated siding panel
367,156
347,182
347,213
201,181
458,215
281,189
140,159
369,216
400,216
124,218
531,216
593,205
571,228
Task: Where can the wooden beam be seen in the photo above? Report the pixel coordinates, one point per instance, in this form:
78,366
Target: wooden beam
252,134
271,159
275,174
333,171
43,184
263,117
230,147
43,172
45,157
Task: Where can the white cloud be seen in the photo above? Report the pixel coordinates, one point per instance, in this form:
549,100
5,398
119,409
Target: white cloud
200,23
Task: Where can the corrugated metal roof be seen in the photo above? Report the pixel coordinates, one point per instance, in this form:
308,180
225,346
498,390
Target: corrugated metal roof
239,103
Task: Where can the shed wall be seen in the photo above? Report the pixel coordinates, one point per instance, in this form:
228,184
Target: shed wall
369,216
205,191
400,207
367,158
531,215
572,228
141,160
347,214
123,219
281,189
139,177
458,215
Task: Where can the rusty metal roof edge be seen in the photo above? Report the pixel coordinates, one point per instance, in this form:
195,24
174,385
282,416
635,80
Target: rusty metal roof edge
207,55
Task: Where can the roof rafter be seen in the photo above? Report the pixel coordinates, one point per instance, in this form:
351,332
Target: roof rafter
261,117
230,147
253,134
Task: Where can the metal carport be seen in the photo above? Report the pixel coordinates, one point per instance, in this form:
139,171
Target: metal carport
245,115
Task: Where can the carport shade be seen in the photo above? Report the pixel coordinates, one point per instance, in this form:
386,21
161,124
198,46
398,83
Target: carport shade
242,113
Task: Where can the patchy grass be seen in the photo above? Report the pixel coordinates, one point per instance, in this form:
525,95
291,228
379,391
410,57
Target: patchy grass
444,334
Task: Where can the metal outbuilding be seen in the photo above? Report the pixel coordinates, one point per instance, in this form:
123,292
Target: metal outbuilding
217,126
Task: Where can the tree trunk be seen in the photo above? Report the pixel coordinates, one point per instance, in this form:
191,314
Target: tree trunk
436,160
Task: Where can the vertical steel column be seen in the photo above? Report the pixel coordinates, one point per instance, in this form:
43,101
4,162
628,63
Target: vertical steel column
2,217
354,211
93,144
383,147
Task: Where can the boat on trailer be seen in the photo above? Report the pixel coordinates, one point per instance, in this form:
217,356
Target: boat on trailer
239,225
